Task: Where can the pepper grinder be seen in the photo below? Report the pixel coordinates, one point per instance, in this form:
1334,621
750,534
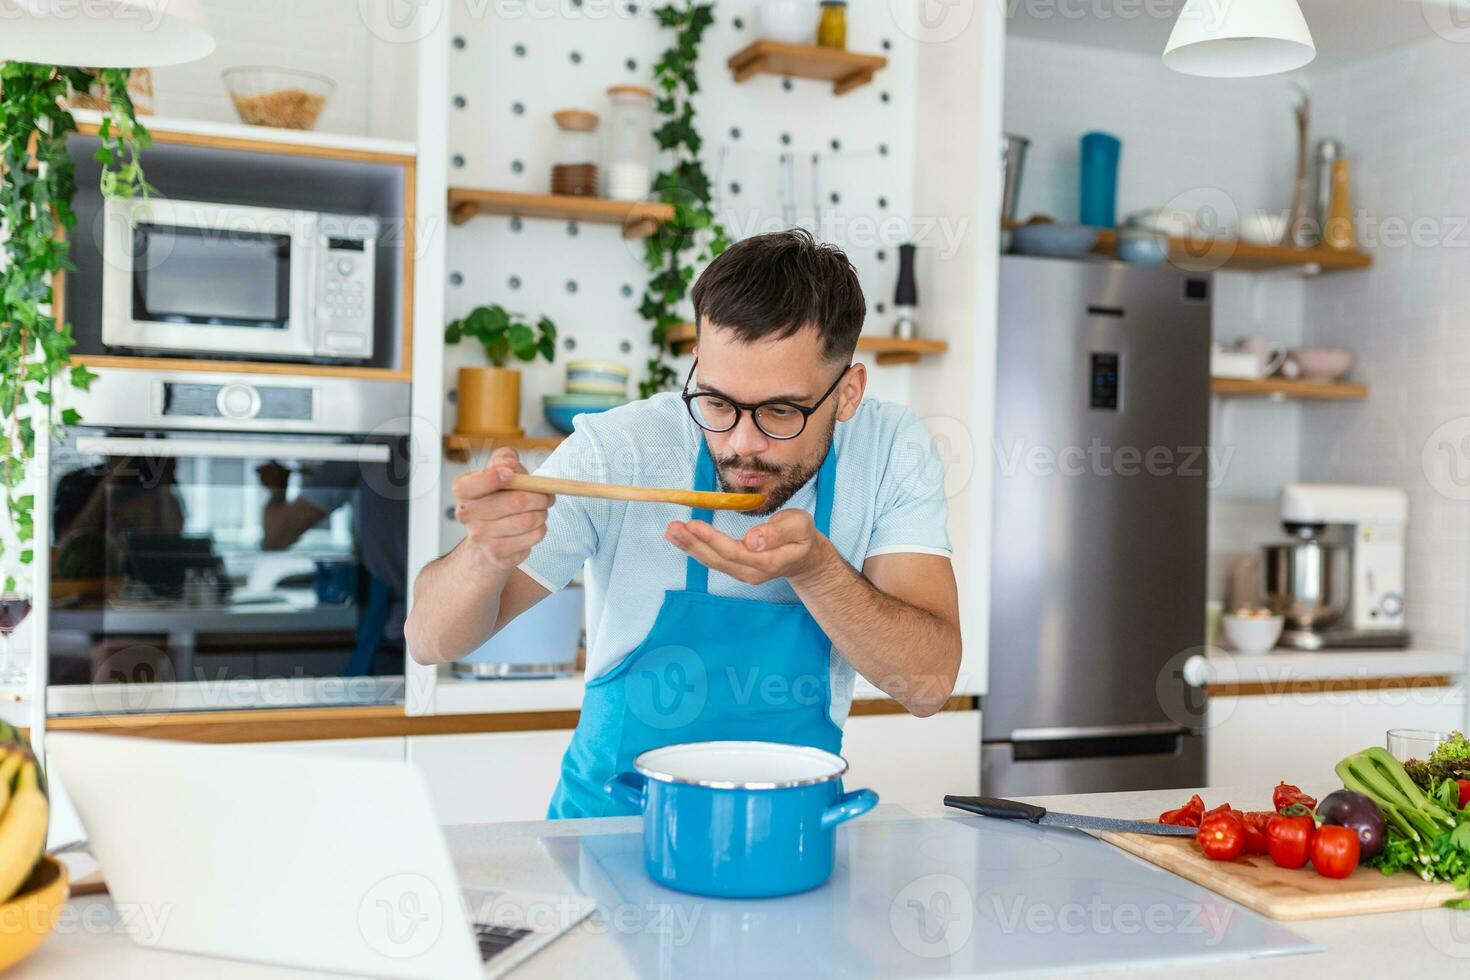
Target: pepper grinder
905,296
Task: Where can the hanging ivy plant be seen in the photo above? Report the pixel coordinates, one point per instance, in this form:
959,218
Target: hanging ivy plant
693,235
37,184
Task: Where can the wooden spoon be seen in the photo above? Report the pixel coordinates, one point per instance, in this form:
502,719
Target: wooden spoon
656,495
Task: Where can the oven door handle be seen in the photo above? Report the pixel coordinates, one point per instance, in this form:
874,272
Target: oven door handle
367,452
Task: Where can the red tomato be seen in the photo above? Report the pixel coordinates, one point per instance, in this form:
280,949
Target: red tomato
1335,851
1286,794
1255,822
1222,808
1289,840
1187,815
1222,836
1464,785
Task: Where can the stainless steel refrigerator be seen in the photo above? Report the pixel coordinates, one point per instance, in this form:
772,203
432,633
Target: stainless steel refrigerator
1098,543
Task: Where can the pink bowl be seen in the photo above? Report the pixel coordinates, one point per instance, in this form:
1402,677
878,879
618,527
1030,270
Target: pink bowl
1322,363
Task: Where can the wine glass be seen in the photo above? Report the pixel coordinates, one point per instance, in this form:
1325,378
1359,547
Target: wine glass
14,608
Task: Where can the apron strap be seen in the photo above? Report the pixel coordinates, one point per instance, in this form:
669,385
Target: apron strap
696,574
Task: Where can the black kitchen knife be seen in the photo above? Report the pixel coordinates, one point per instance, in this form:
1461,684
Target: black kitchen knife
991,806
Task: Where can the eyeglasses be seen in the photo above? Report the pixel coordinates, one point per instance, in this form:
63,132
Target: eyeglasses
778,419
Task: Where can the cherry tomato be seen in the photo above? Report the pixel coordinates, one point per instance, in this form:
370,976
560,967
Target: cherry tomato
1286,794
1335,851
1464,785
1188,815
1222,836
1255,822
1289,840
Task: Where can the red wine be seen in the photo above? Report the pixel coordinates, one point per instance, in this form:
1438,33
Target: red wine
13,609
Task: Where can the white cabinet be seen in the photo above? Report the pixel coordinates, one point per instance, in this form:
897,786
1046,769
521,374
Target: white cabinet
1300,737
389,749
910,760
490,777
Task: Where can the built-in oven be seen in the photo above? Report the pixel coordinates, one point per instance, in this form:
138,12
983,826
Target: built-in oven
228,541
229,280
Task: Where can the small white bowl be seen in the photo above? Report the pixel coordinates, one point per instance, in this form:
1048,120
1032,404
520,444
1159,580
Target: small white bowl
1252,634
788,21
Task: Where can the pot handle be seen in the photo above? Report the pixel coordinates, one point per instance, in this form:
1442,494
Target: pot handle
627,788
853,804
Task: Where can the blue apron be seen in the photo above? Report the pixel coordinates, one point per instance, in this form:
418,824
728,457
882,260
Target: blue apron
712,668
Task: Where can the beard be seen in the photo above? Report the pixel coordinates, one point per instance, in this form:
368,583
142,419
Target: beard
788,479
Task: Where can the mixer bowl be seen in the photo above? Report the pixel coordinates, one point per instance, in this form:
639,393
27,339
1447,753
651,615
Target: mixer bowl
1309,582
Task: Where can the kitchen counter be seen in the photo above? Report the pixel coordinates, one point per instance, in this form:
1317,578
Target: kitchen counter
1226,673
1436,942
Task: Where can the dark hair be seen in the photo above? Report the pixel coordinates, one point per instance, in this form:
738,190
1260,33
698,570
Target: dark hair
772,286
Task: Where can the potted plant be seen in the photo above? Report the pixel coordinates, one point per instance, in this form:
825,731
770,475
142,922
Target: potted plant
489,400
37,184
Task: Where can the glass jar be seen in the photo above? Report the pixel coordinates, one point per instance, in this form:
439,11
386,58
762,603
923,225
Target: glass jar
832,28
629,143
574,168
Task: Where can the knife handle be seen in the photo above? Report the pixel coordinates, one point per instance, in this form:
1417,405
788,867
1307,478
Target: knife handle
994,806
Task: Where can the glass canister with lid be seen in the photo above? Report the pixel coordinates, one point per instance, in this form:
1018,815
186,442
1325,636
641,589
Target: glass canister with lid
629,175
574,170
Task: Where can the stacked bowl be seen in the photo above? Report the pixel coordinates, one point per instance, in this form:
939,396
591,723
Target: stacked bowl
592,386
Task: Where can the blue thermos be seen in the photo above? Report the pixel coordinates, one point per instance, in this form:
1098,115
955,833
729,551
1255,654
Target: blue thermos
1100,180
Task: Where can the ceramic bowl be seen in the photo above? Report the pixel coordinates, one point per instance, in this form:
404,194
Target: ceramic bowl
1263,228
1252,634
788,21
1321,363
560,410
597,378
1139,247
1053,239
29,917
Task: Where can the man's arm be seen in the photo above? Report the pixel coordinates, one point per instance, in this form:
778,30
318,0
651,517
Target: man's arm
897,622
465,597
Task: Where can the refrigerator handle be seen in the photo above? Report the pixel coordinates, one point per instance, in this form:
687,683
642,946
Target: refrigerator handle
1097,746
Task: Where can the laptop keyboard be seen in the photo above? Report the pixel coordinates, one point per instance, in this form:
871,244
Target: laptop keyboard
495,940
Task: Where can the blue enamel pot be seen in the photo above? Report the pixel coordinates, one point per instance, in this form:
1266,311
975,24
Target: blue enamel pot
740,819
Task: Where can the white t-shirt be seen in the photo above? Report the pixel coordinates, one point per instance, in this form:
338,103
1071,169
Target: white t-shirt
889,499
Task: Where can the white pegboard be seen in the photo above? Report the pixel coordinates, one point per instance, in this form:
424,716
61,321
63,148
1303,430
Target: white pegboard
508,74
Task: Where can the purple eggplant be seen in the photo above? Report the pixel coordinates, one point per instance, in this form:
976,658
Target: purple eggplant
1351,809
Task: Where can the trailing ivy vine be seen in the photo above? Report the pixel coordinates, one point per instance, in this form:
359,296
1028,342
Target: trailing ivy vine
37,184
693,235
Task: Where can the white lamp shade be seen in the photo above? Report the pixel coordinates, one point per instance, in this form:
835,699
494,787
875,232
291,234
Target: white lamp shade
1239,38
104,33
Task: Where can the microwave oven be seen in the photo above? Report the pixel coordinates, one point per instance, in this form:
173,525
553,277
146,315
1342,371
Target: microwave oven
220,279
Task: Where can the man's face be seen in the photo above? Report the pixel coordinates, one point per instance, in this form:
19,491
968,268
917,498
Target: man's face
791,370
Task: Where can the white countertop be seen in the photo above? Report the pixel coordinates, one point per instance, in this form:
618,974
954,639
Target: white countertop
91,943
1224,667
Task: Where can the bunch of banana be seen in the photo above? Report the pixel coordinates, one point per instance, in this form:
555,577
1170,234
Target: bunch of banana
24,811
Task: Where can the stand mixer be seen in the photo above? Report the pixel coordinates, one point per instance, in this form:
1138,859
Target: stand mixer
1339,580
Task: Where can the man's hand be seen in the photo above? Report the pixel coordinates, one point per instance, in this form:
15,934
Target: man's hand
787,546
503,525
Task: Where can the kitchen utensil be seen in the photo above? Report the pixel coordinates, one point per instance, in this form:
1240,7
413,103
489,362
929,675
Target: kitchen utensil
1307,582
992,806
279,97
1013,165
1299,232
1100,153
1252,634
561,410
1048,238
1288,893
1137,246
740,819
1413,743
1328,152
905,295
1263,228
540,642
597,378
1338,231
787,21
654,495
1317,363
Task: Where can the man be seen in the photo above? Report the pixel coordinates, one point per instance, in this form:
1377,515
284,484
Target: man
756,630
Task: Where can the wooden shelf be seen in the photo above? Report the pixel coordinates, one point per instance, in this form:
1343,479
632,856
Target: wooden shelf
888,350
1229,253
458,447
262,139
240,367
1288,388
846,70
638,218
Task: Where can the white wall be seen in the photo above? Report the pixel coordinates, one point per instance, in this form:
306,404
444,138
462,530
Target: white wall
1400,117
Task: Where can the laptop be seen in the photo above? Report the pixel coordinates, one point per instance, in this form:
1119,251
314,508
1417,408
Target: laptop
301,860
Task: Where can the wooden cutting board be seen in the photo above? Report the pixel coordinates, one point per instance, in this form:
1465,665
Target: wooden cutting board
1284,893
